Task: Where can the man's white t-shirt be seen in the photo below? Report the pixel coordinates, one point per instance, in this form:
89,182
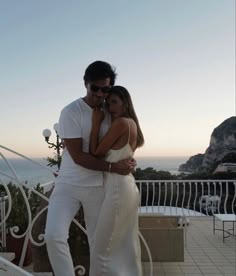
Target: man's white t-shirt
76,122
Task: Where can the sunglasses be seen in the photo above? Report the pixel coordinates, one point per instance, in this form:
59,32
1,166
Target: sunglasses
96,88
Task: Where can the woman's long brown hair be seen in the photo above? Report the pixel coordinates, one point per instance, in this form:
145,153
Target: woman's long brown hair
124,95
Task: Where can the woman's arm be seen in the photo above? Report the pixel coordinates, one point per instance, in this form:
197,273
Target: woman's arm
97,119
117,129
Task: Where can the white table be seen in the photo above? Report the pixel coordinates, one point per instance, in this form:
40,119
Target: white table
225,218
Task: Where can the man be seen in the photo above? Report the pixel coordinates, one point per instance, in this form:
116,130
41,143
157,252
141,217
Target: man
80,180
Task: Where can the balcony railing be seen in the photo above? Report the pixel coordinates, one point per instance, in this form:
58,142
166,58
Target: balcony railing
6,206
179,197
187,197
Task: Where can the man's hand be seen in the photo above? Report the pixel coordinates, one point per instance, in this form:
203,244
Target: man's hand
124,167
132,163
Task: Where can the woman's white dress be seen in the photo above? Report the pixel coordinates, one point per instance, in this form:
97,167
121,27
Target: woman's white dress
116,250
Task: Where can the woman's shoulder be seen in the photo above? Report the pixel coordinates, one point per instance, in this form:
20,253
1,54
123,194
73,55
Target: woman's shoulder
122,121
119,123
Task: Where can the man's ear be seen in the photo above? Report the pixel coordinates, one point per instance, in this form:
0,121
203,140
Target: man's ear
86,84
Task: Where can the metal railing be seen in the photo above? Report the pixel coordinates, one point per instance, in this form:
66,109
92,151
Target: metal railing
7,200
187,197
14,231
3,199
171,197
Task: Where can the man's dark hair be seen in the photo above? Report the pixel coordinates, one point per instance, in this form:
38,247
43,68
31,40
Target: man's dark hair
100,70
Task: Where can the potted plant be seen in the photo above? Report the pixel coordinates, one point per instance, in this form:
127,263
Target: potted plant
19,217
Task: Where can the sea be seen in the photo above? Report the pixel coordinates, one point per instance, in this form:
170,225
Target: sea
33,173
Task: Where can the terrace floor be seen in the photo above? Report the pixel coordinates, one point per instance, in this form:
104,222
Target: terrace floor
204,254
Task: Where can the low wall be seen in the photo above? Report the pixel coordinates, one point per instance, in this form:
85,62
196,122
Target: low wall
164,238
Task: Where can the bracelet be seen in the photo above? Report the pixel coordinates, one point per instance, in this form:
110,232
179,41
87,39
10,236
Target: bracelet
109,167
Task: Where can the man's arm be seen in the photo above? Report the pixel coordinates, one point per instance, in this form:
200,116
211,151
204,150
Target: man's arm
75,149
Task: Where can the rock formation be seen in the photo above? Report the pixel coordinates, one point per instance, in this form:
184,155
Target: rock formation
192,164
222,143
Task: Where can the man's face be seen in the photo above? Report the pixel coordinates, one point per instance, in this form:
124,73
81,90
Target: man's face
97,91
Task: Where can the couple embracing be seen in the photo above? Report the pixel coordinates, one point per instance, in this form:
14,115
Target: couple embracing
100,133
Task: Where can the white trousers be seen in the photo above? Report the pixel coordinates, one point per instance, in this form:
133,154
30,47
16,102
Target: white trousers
64,203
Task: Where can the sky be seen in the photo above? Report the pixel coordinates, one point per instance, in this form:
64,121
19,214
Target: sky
175,57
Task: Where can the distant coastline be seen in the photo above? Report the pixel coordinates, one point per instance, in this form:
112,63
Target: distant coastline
166,163
34,174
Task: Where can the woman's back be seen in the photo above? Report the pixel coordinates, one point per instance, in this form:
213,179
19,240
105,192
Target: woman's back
125,151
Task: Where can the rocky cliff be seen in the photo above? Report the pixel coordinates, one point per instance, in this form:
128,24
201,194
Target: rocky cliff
222,143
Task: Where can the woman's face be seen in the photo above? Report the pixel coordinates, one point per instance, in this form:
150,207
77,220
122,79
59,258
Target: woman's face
115,106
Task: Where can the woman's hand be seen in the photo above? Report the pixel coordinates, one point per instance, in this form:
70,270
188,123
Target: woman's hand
98,116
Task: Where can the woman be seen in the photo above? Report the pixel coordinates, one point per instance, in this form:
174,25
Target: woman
116,250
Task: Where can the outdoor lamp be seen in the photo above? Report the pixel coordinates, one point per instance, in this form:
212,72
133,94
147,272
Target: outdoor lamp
57,146
56,127
47,133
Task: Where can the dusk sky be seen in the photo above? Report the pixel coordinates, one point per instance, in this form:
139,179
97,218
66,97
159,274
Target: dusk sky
176,58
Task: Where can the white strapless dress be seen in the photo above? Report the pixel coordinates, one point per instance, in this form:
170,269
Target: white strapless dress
116,250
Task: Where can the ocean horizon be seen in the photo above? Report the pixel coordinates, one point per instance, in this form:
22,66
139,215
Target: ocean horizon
34,174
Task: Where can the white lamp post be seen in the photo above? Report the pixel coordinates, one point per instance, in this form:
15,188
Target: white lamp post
58,145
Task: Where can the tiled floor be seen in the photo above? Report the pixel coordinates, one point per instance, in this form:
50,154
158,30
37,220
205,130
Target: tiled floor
205,253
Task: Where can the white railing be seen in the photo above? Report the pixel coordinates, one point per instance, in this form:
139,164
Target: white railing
8,269
187,197
6,202
172,197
